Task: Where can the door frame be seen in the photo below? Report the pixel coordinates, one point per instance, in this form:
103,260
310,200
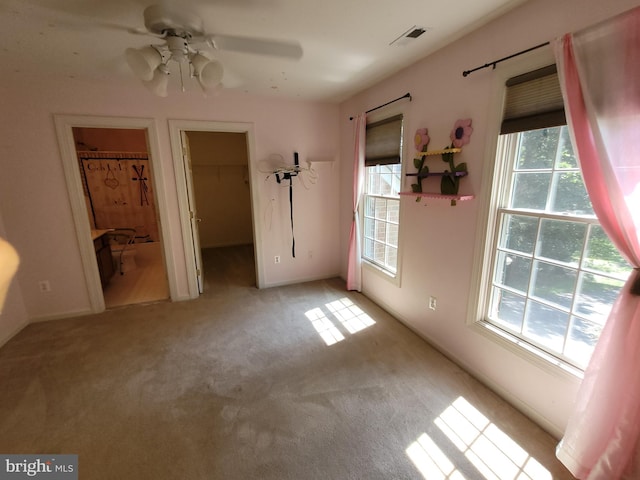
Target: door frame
193,210
175,129
64,129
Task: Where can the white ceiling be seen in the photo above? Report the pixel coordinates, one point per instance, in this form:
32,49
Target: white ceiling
345,42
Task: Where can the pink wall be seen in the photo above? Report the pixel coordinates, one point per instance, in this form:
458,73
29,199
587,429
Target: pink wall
35,203
438,241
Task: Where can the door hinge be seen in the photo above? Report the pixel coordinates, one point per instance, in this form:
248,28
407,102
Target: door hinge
191,215
198,272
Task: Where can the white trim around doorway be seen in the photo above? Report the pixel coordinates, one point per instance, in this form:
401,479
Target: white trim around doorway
64,129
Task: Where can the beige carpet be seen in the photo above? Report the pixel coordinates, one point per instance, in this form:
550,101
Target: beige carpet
299,382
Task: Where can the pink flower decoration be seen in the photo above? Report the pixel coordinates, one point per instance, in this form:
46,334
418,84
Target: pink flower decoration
421,139
461,133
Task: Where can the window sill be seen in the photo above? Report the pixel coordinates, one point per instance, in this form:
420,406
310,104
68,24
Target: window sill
528,352
393,278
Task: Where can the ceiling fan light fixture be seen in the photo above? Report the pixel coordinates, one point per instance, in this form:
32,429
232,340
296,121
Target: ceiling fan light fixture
208,72
212,91
179,48
179,28
143,61
159,82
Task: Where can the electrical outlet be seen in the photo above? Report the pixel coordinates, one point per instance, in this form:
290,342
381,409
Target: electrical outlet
433,303
276,259
44,286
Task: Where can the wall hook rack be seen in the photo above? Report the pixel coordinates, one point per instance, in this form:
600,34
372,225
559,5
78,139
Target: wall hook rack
288,174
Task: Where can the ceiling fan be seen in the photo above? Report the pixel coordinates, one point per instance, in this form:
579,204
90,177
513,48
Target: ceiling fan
182,31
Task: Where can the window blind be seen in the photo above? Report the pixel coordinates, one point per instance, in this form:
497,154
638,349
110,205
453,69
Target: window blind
534,100
383,142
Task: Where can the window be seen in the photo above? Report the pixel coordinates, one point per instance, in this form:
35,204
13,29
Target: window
554,274
381,193
381,216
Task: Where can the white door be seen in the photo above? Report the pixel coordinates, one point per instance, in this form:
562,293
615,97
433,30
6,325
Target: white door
193,214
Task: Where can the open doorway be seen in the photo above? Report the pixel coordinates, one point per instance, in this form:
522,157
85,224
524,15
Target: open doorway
115,168
222,202
81,208
214,176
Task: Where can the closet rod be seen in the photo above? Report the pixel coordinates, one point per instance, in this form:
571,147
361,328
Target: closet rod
113,158
406,95
495,62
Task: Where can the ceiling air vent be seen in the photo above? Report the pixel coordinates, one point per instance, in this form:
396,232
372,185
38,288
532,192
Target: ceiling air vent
408,36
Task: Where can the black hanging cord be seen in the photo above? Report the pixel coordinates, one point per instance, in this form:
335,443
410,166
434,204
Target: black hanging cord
293,238
289,176
406,95
495,62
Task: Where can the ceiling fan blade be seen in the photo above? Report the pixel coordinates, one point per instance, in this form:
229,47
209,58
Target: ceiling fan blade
74,21
259,46
122,28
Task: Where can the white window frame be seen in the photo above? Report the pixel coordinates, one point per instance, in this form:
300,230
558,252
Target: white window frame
386,198
581,270
493,181
393,278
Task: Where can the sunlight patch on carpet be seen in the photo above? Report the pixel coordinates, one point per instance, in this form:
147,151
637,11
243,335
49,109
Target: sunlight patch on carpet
430,461
325,328
491,451
349,316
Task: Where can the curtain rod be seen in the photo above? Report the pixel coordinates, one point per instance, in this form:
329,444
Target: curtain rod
495,62
406,95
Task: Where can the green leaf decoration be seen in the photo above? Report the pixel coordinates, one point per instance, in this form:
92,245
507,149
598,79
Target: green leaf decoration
462,167
416,188
418,162
449,185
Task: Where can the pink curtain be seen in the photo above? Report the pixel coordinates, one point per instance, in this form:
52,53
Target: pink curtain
354,270
599,70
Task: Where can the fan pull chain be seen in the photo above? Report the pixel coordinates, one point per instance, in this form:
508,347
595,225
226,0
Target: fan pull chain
181,78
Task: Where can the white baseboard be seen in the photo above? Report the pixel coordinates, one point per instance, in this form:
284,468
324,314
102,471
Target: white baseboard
182,298
516,402
8,336
300,280
60,316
